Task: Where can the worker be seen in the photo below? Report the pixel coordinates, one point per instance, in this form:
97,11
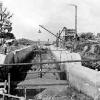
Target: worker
5,48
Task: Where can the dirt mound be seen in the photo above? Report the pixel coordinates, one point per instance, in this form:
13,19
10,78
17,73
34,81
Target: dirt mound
26,41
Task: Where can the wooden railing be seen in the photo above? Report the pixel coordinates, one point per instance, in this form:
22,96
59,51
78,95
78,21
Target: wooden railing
4,96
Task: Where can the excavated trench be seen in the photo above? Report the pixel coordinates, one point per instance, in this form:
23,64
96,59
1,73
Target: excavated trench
54,93
21,73
24,71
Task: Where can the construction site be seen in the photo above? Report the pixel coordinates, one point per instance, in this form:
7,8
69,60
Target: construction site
65,69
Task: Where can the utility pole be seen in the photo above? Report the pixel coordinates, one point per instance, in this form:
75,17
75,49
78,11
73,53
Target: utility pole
75,43
75,18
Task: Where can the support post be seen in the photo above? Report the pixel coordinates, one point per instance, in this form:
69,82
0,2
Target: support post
40,64
25,91
8,83
3,97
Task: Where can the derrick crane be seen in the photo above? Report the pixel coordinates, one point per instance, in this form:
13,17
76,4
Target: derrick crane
58,36
69,37
52,34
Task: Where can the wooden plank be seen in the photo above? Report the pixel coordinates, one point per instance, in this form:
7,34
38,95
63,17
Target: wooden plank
41,83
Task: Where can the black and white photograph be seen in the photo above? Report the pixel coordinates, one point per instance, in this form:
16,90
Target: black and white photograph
49,49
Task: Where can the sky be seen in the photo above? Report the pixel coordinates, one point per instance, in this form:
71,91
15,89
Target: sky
53,15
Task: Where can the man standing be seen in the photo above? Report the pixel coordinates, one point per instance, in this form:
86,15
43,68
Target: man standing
5,48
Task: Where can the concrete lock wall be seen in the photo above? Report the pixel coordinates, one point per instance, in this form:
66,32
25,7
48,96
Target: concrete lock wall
18,56
82,78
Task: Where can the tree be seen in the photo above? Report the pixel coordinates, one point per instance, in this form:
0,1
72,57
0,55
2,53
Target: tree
83,35
87,35
90,35
5,23
7,35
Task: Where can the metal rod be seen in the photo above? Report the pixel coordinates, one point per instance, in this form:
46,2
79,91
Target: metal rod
65,83
52,62
49,50
42,72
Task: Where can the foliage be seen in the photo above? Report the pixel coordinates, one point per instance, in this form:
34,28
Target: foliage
5,23
25,41
7,35
87,35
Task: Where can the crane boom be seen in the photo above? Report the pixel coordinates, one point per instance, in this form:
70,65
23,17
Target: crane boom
51,33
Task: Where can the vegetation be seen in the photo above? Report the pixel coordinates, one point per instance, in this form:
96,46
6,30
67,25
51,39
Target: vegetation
25,42
87,35
5,24
7,35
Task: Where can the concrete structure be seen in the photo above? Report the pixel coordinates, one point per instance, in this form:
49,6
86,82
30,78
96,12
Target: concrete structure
82,78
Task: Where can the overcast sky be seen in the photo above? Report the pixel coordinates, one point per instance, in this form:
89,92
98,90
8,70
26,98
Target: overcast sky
53,14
